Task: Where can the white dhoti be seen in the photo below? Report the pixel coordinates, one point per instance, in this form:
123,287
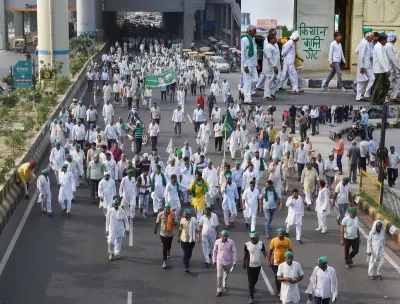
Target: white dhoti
157,201
45,202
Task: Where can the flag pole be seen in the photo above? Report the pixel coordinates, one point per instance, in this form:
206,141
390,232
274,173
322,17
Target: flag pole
225,145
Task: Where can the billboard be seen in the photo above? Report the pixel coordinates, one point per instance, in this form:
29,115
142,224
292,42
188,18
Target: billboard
264,24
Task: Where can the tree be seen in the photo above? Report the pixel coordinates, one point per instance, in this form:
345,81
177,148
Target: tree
286,32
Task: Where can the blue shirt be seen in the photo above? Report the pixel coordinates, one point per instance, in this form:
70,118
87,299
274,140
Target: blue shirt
372,146
163,89
364,119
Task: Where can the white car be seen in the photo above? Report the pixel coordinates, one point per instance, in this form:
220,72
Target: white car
220,64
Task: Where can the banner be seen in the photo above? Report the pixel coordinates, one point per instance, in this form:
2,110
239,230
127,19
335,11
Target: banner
228,126
166,77
266,24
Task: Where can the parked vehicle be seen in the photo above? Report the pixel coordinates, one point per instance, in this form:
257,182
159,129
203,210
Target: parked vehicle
358,130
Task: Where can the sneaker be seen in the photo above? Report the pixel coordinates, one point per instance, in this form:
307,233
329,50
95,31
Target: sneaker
343,89
164,265
186,269
324,231
299,241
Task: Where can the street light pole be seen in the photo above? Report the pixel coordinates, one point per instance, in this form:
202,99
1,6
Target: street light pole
382,151
295,15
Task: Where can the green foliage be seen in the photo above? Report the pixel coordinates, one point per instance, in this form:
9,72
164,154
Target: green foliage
6,121
81,44
62,84
5,167
29,124
286,32
16,140
77,63
9,100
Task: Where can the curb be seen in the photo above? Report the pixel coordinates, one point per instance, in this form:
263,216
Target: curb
11,192
373,213
317,84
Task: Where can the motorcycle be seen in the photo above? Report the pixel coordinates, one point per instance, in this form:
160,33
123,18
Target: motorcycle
358,130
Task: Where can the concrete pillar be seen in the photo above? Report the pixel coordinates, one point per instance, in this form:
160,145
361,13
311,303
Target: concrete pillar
356,33
188,26
33,21
53,33
98,14
86,21
19,23
201,27
3,27
233,32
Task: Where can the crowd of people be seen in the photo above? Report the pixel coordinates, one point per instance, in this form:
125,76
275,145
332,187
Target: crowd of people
265,168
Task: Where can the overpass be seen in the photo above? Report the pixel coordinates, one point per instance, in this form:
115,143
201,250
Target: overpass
219,18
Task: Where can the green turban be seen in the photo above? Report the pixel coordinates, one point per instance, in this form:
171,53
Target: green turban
209,161
253,235
45,171
346,179
68,155
352,210
179,152
116,202
187,211
323,260
276,158
207,207
379,223
131,171
58,142
228,175
167,205
281,230
224,232
288,254
237,162
64,166
330,154
367,29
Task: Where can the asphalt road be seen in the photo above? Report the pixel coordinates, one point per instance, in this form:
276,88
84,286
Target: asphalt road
64,260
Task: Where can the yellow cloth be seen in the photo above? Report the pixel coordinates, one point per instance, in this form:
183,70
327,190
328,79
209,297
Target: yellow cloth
280,247
297,62
262,134
309,178
25,173
199,201
272,135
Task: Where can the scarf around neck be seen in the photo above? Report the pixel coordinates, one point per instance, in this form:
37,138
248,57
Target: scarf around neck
251,45
201,184
153,181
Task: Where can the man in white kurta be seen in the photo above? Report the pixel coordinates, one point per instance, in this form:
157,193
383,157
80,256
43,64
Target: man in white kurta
158,184
322,206
108,112
73,168
171,169
271,67
289,274
295,215
111,166
44,197
234,142
211,176
187,175
249,62
57,158
79,156
128,194
230,195
208,229
117,226
376,250
394,66
248,176
204,135
106,192
250,205
365,72
171,194
67,189
225,90
259,165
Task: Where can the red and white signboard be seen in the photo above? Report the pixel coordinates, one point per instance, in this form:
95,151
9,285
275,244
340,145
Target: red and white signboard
266,23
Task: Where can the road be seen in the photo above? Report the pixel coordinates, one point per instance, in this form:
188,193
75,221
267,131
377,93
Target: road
64,260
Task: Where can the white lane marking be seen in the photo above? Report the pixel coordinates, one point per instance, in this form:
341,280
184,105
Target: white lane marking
189,118
129,297
269,286
17,233
388,258
131,234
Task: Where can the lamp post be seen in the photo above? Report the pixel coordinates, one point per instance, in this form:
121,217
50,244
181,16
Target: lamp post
382,151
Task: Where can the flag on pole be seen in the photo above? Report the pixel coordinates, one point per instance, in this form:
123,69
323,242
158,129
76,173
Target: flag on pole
228,126
170,148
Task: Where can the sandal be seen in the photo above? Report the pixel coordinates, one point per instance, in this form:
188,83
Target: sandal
117,257
218,294
226,289
111,257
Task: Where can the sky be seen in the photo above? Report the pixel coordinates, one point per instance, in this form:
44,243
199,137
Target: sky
282,10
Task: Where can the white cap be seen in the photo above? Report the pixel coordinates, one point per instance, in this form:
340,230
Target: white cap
106,173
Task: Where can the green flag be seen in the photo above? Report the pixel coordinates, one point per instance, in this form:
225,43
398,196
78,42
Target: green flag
228,126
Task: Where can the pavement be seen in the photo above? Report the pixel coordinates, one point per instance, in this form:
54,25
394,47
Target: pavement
64,260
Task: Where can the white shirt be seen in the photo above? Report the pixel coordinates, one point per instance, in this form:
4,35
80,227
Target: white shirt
301,155
255,253
323,283
91,115
336,53
246,60
364,148
218,130
314,113
290,292
251,198
393,160
198,115
154,129
111,131
342,193
178,116
289,51
208,224
381,61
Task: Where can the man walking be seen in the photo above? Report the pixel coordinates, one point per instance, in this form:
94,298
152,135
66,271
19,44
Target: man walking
381,69
166,220
250,205
177,118
376,250
365,72
154,131
392,169
209,230
271,68
267,204
323,207
67,189
225,258
350,236
254,251
117,226
343,198
290,274
323,283
249,62
44,197
336,57
394,67
295,215
187,236
354,158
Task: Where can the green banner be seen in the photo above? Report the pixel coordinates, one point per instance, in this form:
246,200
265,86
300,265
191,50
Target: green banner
167,77
228,126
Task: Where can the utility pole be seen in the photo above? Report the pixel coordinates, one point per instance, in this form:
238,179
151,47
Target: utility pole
382,151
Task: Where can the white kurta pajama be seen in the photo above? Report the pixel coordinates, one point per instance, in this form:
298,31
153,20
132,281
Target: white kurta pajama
208,234
323,208
234,143
67,189
204,136
376,246
364,53
116,225
44,198
229,196
107,191
157,193
295,215
57,158
187,175
172,196
127,191
290,292
211,176
251,206
250,79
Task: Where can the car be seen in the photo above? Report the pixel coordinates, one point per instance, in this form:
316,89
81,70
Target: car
219,63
